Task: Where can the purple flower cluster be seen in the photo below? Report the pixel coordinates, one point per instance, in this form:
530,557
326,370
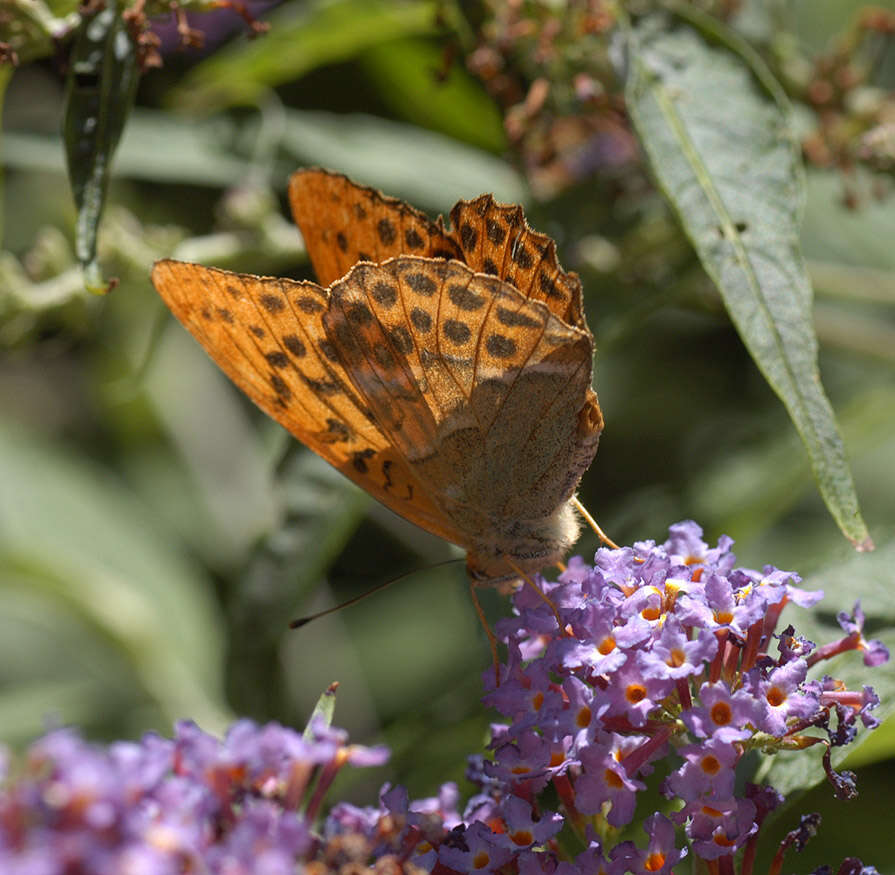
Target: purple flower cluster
168,806
657,654
651,670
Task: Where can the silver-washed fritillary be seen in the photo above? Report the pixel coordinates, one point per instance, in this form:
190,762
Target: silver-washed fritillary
447,372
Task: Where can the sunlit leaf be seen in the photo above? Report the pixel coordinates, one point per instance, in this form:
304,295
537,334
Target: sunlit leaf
301,38
31,29
729,168
427,168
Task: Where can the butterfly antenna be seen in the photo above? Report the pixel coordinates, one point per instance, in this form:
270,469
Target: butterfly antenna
593,524
303,621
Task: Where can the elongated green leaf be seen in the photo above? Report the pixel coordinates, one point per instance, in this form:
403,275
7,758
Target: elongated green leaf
721,152
154,146
428,169
301,38
101,87
80,542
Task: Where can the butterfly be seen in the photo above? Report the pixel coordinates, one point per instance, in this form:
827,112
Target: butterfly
445,371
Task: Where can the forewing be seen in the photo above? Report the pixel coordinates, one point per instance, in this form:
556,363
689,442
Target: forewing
343,223
267,335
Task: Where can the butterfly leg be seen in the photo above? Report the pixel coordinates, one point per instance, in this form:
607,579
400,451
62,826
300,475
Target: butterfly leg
538,590
492,640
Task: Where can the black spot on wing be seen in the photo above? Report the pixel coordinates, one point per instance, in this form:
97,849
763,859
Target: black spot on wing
455,331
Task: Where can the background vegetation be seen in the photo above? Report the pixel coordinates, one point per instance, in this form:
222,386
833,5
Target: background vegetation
157,532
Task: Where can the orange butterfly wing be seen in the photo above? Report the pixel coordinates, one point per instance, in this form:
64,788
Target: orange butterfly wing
267,335
343,223
496,239
484,393
446,372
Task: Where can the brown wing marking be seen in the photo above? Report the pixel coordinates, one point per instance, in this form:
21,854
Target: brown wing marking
461,387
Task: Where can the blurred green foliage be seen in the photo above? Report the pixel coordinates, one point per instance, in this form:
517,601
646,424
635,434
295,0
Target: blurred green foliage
157,533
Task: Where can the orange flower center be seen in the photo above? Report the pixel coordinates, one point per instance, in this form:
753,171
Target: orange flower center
654,862
776,697
613,779
635,693
710,765
721,713
676,658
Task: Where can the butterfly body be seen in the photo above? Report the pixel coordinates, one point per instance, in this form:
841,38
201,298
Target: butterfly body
458,398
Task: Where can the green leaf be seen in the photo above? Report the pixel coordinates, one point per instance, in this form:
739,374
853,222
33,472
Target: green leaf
722,153
101,87
78,543
325,709
5,76
322,510
407,75
155,146
868,577
428,169
301,38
